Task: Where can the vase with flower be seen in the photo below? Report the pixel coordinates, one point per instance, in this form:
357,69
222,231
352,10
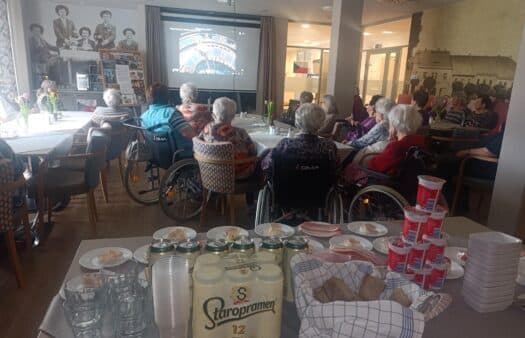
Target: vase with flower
24,106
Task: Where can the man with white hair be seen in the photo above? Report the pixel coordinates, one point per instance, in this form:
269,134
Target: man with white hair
308,119
111,113
188,93
221,130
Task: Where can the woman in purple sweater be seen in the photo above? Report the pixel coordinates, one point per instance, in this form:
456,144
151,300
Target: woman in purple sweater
361,128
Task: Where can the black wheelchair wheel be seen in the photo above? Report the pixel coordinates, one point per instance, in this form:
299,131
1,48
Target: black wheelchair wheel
334,207
377,202
180,193
142,182
264,204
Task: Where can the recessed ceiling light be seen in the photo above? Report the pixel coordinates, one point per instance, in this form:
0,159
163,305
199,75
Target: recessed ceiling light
305,25
367,33
388,32
327,8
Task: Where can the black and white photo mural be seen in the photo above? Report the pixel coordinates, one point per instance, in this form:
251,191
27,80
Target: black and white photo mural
64,38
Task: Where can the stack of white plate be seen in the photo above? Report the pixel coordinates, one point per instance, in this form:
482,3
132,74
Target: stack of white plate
491,270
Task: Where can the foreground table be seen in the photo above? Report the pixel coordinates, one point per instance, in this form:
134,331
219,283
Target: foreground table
458,320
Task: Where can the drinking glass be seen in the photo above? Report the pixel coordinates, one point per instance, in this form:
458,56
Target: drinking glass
171,296
129,312
84,304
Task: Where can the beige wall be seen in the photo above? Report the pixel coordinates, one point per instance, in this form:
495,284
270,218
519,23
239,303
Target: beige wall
476,27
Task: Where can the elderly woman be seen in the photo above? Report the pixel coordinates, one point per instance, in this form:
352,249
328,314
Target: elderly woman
111,113
361,128
308,119
221,130
330,108
404,122
197,115
380,132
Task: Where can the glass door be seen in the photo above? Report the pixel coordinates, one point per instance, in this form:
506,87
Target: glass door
381,73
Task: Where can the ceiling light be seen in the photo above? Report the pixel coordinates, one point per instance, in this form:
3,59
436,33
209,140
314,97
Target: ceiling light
327,8
388,32
305,25
367,33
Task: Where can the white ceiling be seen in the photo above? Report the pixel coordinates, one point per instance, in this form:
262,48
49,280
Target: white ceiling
297,10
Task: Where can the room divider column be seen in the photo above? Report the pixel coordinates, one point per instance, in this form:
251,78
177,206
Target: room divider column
345,51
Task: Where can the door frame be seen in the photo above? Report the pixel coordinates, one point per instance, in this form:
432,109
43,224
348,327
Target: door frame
387,51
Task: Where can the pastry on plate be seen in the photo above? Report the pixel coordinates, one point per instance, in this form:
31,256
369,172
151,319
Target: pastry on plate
110,257
275,229
231,234
369,228
177,235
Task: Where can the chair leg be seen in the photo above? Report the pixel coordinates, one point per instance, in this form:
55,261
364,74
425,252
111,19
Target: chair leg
27,228
204,205
104,183
92,210
14,258
231,206
121,168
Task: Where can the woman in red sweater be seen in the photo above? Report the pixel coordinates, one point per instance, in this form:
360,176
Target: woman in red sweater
404,122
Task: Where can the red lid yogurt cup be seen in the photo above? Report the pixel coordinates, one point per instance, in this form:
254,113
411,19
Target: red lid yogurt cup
422,277
428,191
413,226
397,254
438,276
436,250
417,256
435,221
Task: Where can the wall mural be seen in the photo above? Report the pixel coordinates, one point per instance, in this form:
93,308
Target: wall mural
7,68
67,41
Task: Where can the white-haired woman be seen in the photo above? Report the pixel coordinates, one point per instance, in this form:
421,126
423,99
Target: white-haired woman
330,108
221,130
196,114
111,113
380,132
308,119
404,121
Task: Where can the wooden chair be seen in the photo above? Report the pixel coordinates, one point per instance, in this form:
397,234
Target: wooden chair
69,180
118,140
473,182
11,216
217,169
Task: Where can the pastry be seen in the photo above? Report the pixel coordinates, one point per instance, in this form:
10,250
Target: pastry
371,288
275,230
110,257
231,234
400,297
177,235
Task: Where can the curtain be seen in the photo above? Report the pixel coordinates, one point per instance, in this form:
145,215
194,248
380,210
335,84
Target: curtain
7,67
266,88
156,69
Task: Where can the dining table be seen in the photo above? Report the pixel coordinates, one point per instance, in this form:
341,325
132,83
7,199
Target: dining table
458,320
268,138
39,141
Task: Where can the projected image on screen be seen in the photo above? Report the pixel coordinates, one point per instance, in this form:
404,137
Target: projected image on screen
207,53
212,56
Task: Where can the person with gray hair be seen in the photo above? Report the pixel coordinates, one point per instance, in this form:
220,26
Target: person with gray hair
331,111
404,121
308,145
196,114
306,97
188,93
221,130
111,113
380,132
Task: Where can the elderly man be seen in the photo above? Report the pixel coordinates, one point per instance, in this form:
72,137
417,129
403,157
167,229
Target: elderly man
308,119
112,112
221,130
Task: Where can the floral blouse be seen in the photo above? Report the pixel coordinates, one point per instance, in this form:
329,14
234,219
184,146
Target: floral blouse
242,144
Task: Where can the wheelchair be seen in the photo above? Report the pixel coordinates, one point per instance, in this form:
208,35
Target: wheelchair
297,185
382,197
157,171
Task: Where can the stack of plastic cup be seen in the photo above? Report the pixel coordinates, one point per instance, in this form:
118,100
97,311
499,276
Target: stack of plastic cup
491,270
428,191
171,296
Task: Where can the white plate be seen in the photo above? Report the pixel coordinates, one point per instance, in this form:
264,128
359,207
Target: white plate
141,254
360,228
455,271
315,245
341,242
164,232
321,234
283,230
381,245
220,232
90,260
455,253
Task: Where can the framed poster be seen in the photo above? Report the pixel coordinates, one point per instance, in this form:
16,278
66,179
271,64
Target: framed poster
124,70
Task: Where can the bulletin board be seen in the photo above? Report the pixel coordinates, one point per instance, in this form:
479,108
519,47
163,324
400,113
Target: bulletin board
124,70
